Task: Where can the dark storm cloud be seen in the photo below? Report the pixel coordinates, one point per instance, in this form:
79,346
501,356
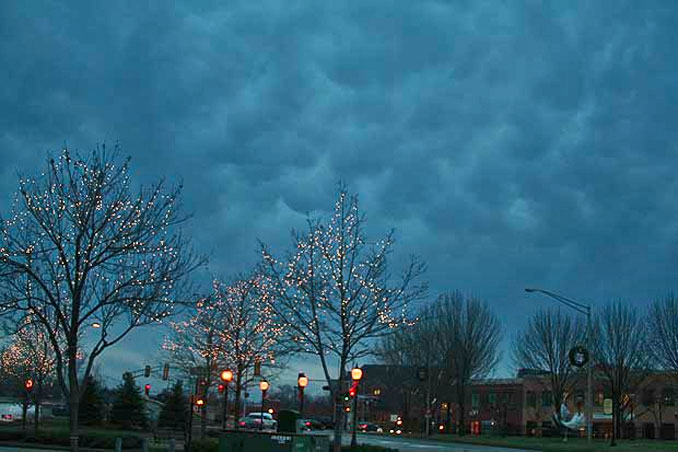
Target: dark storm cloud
509,143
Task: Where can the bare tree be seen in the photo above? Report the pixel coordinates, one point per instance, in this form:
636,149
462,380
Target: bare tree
230,329
252,332
619,349
196,347
91,253
663,333
335,293
408,349
545,345
468,334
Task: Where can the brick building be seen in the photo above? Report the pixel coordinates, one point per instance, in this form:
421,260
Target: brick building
520,405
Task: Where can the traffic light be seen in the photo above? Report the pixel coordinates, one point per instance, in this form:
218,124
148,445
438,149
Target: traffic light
28,384
147,371
352,392
147,388
165,372
221,388
347,409
347,398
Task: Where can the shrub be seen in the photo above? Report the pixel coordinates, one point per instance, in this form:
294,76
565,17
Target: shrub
205,445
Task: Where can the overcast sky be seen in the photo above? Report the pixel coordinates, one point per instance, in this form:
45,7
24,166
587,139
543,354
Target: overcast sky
509,143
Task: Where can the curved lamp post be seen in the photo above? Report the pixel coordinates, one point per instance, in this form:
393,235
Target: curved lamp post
584,309
226,377
356,376
263,385
302,382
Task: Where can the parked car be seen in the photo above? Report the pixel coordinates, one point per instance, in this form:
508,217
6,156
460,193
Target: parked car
369,427
253,421
312,424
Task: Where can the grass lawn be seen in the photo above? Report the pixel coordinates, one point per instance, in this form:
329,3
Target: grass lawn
56,433
557,444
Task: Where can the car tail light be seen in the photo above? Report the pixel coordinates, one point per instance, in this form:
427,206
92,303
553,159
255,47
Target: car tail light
242,423
308,424
363,425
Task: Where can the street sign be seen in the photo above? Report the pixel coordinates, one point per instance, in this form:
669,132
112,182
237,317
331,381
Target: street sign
607,406
394,417
579,356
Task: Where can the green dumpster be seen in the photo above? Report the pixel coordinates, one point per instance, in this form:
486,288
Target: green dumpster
287,421
241,441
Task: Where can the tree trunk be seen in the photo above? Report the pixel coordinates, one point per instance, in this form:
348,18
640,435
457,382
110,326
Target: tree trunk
236,402
73,397
448,417
338,410
203,420
73,410
615,427
24,414
338,419
461,402
38,398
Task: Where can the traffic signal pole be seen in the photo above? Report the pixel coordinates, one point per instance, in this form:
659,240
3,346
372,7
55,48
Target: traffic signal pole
354,418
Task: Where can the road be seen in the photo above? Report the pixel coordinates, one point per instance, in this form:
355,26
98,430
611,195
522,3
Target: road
419,445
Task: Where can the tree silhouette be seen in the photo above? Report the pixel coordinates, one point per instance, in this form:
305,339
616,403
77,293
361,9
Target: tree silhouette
173,413
129,408
93,406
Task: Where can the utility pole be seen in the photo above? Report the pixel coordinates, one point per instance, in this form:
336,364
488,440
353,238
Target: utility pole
584,309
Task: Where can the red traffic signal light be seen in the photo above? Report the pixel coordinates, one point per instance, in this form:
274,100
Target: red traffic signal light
28,384
221,388
147,388
352,392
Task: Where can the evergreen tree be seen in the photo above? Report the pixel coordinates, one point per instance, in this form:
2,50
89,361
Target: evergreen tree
92,404
129,408
173,413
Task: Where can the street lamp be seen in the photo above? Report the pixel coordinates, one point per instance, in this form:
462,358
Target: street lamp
302,382
263,385
356,376
584,309
226,377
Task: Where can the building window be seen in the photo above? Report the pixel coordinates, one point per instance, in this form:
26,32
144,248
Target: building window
475,400
546,399
492,398
531,399
668,397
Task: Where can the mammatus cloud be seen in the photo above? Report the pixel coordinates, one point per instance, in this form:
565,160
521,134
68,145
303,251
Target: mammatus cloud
508,144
